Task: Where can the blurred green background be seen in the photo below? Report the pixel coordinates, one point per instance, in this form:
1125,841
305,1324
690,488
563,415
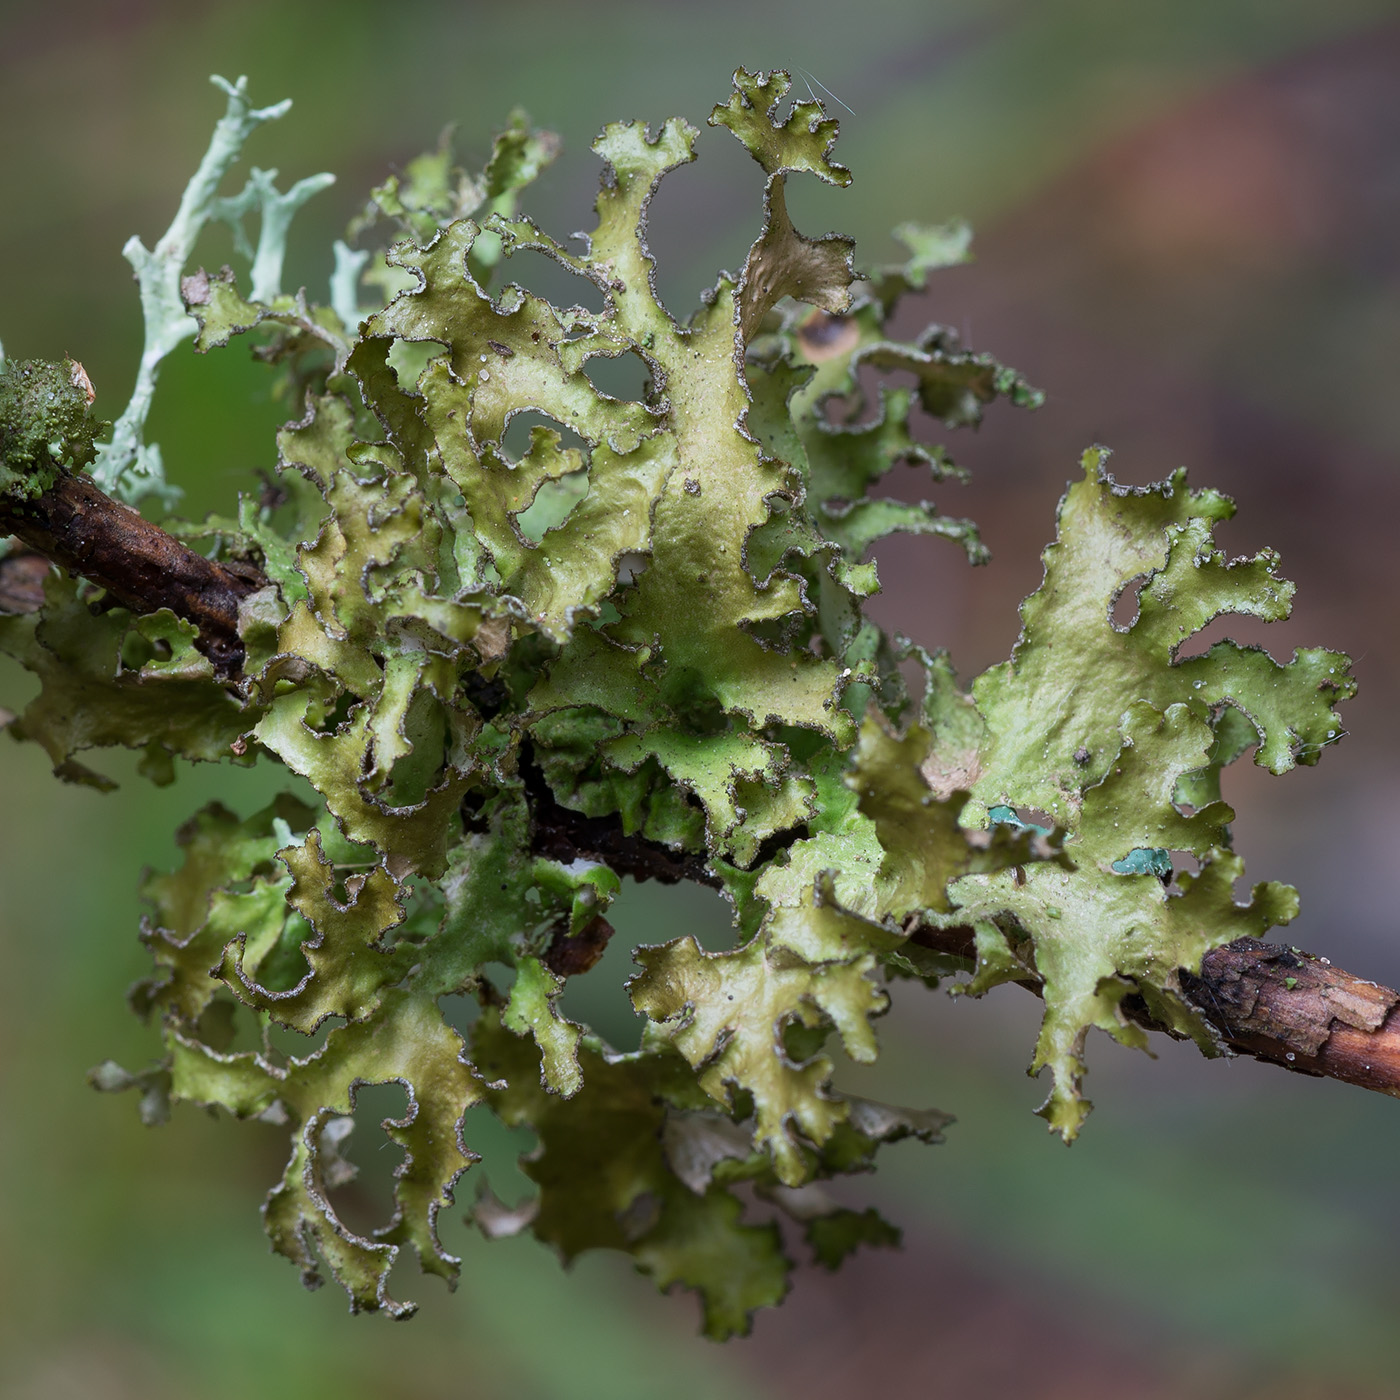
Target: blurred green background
1189,235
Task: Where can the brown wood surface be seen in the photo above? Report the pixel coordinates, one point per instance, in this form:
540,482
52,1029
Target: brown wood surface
140,565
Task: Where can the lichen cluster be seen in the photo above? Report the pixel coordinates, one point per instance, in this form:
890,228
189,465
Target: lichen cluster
647,615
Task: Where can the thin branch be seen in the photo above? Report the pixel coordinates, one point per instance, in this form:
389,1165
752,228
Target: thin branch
1276,1003
565,835
1299,1011
141,566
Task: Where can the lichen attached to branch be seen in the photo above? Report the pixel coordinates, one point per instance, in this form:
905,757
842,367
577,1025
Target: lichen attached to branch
518,662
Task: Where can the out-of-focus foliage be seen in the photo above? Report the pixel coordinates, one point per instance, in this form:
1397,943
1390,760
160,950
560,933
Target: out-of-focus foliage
645,617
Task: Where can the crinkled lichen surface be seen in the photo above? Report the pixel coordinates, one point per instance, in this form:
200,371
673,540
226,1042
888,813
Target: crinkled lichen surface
645,615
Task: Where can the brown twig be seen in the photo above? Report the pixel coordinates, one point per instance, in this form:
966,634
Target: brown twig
1274,1003
1277,1004
563,834
1299,1011
141,566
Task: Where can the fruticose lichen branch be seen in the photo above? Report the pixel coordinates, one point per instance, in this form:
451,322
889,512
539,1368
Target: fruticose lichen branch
127,466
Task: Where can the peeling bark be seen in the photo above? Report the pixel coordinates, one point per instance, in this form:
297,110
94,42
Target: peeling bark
1299,1011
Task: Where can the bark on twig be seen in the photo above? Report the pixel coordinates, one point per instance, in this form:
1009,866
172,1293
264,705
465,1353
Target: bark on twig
573,953
1299,1011
1275,1003
564,835
143,567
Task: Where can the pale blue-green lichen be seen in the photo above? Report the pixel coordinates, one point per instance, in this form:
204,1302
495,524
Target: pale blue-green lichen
127,465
